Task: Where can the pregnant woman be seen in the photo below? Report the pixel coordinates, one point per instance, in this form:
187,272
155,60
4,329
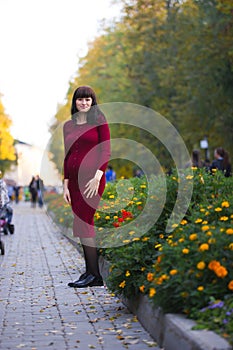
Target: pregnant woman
87,152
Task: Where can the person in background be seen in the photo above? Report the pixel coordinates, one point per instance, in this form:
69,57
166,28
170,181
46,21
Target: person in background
4,201
87,152
40,190
221,161
33,191
110,174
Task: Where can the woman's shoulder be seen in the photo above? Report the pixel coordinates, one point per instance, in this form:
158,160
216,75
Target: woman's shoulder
101,119
68,124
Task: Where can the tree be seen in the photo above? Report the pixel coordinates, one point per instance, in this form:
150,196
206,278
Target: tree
7,151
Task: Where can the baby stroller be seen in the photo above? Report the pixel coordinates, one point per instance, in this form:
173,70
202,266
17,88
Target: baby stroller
6,213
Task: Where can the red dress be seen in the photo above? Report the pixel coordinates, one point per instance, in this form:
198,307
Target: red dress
87,149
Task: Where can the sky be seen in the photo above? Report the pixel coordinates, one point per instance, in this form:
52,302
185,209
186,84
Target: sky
41,42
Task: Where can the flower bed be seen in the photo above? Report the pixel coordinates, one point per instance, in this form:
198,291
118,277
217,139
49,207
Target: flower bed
189,270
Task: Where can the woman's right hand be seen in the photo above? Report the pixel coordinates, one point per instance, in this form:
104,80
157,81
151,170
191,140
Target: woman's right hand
66,192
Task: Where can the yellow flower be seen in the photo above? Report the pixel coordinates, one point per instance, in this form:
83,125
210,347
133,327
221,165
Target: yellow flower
193,236
201,265
211,240
181,240
136,239
225,204
204,247
194,168
183,222
229,231
144,239
185,251
115,217
205,228
152,292
138,203
204,222
126,241
173,272
131,232
202,180
61,220
189,177
174,225
200,288
198,221
208,233
122,284
143,268
112,196
107,217
158,246
143,186
150,277
230,285
223,218
130,188
127,274
142,288
231,246
218,209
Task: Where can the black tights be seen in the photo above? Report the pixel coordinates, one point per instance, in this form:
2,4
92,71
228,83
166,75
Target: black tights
90,256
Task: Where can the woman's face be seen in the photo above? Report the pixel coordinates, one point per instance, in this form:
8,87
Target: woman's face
83,104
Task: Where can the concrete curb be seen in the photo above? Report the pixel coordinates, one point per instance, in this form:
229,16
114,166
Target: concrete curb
170,331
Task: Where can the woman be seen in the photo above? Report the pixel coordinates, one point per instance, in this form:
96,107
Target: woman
221,161
87,152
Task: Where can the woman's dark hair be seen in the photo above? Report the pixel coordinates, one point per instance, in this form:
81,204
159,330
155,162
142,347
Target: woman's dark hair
94,112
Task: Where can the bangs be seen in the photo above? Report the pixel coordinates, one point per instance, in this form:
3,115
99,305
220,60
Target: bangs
84,91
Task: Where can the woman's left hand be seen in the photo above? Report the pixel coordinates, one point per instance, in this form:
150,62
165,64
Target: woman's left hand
92,187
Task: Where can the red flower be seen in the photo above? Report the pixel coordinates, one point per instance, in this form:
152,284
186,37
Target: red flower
120,219
116,224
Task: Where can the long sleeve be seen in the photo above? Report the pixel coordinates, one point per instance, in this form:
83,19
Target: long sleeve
66,151
104,145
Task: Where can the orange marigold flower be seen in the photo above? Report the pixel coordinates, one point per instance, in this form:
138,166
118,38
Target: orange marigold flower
204,247
150,277
173,272
221,271
142,288
213,265
230,285
229,231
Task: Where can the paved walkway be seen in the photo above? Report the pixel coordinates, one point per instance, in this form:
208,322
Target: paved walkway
37,309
